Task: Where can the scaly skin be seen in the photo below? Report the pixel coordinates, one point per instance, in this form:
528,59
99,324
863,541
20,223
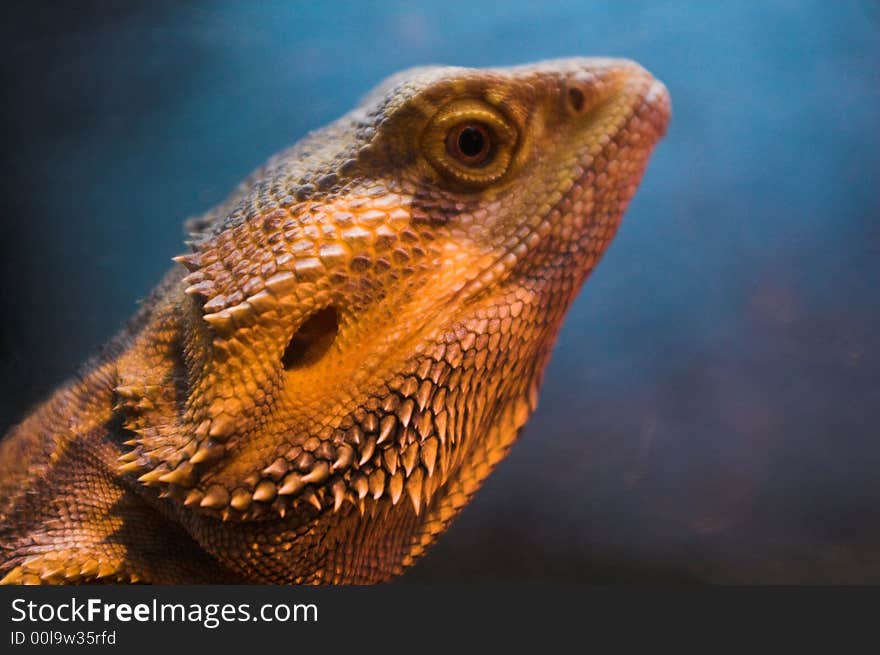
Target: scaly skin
354,342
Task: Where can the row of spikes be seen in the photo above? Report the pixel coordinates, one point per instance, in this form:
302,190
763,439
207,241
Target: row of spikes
408,436
354,489
361,468
258,294
159,452
57,568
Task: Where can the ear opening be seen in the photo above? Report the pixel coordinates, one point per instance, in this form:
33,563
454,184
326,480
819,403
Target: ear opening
312,340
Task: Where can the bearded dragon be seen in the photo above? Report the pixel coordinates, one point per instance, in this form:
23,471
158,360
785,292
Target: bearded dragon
354,341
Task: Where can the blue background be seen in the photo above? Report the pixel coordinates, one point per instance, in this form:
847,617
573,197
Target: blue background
711,409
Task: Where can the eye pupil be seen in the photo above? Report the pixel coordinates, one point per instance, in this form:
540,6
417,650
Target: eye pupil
471,141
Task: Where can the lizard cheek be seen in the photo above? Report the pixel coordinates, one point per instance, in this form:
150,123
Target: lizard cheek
312,340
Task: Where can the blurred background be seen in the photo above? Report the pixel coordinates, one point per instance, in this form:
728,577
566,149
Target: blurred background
711,410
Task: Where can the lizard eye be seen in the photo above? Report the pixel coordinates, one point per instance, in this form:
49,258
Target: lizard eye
470,142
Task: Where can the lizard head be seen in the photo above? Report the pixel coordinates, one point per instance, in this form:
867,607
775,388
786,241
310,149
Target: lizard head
369,315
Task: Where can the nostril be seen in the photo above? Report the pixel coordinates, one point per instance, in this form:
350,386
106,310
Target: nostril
312,340
576,99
